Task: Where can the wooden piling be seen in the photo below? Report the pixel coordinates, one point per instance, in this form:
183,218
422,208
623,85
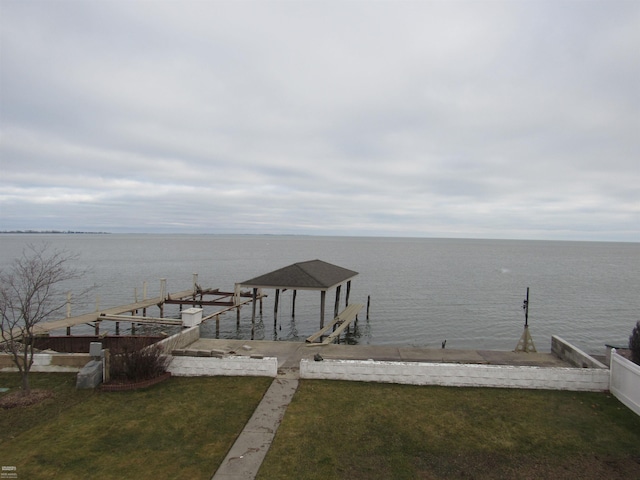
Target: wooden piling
253,312
336,306
323,298
293,304
346,300
368,303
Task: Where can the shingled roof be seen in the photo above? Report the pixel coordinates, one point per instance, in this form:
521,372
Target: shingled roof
310,275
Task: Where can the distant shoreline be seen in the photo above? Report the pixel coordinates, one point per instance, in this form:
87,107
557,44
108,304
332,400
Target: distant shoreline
66,232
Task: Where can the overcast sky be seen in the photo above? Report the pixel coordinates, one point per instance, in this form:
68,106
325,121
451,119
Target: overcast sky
481,119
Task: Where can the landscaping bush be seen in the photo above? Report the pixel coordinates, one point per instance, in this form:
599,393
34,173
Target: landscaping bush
634,344
137,362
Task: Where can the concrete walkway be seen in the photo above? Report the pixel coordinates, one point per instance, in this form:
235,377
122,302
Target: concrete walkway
289,354
247,453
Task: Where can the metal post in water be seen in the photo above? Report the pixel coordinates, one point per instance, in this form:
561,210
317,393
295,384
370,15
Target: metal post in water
525,307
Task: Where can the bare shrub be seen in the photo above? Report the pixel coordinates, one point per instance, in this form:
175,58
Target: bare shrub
137,362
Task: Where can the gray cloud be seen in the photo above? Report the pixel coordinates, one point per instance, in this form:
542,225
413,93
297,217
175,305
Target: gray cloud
467,119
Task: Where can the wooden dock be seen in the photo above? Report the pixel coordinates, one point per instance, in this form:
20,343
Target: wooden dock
129,312
339,324
93,317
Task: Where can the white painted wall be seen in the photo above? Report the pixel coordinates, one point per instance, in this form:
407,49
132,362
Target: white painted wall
227,366
459,375
48,362
181,339
625,381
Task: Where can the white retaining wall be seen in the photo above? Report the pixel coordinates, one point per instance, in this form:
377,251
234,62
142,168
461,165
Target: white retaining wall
459,375
180,340
625,381
227,366
573,355
48,362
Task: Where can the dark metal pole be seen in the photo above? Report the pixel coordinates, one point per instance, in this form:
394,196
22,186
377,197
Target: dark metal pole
525,306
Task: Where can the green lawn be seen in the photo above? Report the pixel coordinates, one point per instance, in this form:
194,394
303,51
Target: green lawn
353,430
181,428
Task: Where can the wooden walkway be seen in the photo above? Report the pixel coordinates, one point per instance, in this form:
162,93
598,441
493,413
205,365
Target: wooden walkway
342,321
93,317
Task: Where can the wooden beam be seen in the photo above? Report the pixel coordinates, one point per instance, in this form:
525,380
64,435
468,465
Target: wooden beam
348,315
344,317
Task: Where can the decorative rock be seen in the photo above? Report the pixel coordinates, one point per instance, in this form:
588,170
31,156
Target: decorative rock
90,376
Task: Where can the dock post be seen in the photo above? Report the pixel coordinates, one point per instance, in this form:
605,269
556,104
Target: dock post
323,298
253,311
117,328
68,312
97,328
238,316
217,326
368,303
346,300
293,304
275,306
163,288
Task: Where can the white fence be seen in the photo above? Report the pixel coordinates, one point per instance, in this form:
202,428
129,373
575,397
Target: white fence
459,375
625,381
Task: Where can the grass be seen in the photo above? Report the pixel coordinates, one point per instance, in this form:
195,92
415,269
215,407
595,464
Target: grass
352,430
181,428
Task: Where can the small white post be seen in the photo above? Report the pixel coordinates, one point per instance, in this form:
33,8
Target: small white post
236,295
163,288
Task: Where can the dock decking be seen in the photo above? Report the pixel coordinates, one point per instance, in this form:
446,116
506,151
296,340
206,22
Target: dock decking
342,321
129,312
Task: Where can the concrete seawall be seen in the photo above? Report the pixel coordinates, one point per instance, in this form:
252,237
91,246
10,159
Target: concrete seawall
458,375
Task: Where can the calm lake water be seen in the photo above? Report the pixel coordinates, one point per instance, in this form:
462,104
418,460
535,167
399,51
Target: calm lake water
423,291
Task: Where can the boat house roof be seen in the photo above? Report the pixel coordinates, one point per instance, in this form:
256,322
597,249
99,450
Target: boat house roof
309,275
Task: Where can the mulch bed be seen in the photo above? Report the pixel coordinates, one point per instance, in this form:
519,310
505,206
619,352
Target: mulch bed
17,399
